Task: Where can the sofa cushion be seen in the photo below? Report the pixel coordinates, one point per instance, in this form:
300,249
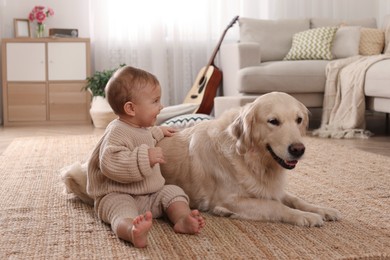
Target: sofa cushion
185,121
323,22
346,42
175,110
372,41
313,44
274,36
306,76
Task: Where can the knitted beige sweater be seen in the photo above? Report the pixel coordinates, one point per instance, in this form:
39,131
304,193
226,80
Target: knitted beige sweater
120,161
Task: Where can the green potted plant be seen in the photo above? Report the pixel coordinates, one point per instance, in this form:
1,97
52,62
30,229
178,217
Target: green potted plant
101,112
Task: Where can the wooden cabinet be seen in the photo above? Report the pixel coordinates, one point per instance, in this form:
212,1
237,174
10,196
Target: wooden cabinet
43,81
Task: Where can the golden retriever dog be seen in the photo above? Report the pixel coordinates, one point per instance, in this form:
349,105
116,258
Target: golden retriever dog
235,166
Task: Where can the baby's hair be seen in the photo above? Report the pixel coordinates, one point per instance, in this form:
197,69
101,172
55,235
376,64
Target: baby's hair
124,85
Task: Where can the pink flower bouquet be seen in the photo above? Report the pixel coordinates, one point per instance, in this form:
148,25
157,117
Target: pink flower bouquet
39,14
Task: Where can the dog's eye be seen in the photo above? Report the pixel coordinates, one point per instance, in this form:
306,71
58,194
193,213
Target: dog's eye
299,120
274,121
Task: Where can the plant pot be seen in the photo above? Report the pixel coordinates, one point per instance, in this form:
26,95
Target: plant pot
101,112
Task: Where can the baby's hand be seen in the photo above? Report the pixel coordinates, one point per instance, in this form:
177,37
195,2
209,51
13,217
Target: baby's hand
168,131
155,156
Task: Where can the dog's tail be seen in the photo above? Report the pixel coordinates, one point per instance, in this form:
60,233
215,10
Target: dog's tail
75,179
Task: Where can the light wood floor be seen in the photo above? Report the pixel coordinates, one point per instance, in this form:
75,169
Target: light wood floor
8,134
379,143
376,122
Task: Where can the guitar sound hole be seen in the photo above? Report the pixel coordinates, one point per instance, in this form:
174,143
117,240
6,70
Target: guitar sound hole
202,82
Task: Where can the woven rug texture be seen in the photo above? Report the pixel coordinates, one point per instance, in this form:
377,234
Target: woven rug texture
39,221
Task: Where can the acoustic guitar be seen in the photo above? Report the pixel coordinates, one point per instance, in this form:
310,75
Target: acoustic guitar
207,82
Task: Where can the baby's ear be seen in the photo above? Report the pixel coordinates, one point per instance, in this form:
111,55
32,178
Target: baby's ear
129,108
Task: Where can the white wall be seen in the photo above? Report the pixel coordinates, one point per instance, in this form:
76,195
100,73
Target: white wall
76,13
67,14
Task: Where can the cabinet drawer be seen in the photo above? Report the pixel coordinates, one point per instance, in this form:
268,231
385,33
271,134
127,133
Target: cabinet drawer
68,101
26,102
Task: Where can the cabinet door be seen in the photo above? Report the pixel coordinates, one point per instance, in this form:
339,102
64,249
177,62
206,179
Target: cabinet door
68,102
67,60
26,62
26,102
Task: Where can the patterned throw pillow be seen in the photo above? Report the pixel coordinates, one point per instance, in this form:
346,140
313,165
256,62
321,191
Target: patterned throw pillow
372,41
184,121
313,44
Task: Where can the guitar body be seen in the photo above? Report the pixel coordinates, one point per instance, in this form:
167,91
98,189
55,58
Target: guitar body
205,89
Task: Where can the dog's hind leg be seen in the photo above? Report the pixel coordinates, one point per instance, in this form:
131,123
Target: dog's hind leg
75,179
221,211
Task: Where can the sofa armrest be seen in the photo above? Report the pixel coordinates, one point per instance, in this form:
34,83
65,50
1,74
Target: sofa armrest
233,57
386,28
386,22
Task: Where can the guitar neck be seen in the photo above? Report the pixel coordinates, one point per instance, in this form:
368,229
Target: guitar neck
216,49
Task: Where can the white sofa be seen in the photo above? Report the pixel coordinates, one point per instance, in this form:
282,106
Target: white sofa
254,65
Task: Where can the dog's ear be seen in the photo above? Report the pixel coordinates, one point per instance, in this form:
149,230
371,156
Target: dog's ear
241,129
305,113
235,129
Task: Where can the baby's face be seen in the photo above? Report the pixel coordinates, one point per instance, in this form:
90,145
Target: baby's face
148,106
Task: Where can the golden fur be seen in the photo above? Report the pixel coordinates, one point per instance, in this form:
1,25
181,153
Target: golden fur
234,166
226,168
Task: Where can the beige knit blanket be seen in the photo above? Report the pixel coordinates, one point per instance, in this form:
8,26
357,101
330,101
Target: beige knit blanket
344,106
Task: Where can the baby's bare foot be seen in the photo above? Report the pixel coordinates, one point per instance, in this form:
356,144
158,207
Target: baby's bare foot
140,229
190,224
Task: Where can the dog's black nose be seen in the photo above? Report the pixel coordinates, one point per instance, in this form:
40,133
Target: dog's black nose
296,149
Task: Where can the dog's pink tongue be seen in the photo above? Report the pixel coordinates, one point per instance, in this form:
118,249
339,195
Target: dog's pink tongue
291,163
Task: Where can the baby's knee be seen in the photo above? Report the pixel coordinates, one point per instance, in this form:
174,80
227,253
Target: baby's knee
173,193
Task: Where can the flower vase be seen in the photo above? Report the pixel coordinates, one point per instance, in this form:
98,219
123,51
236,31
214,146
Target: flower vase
40,33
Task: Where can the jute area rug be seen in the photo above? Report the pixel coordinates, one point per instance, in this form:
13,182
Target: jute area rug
38,221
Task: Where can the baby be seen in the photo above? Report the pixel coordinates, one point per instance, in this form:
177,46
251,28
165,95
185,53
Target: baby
124,177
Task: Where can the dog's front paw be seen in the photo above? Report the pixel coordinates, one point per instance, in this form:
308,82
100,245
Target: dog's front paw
329,214
308,219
